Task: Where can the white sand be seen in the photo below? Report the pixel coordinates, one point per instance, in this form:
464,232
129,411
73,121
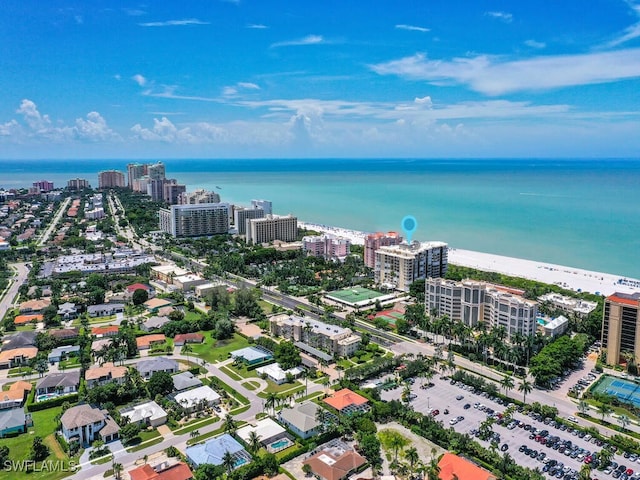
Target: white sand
567,277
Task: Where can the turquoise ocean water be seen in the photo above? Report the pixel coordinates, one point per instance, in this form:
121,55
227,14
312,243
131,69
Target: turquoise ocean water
584,214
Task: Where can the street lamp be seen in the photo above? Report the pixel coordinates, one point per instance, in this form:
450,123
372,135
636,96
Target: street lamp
427,402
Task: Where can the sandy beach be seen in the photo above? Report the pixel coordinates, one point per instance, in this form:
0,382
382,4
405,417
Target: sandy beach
567,277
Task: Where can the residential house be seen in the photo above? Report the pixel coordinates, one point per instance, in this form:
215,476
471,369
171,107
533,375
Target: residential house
191,399
68,311
452,466
59,383
19,340
62,353
107,373
17,356
156,364
184,381
28,318
252,355
147,341
106,331
213,451
277,374
16,395
154,323
34,306
302,419
154,304
140,286
334,461
85,424
267,430
177,471
183,338
346,401
64,333
105,309
12,421
145,414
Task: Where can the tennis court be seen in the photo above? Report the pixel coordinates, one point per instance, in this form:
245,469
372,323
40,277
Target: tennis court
625,390
354,295
389,316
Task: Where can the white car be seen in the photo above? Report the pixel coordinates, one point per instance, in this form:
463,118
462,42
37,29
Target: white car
572,419
453,421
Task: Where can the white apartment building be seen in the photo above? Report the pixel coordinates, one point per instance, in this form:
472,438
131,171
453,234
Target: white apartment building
200,220
241,215
265,205
374,241
272,227
332,339
471,302
398,266
198,196
578,306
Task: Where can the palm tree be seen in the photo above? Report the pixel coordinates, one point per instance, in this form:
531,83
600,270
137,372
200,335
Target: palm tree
507,383
583,407
525,387
605,410
194,433
272,399
412,457
433,470
624,421
585,472
117,470
605,457
229,424
187,349
396,442
228,462
253,442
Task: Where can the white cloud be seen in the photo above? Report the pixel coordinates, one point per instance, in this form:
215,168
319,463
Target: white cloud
535,44
493,75
257,26
632,31
94,128
248,85
32,116
174,23
308,40
412,28
139,79
503,16
423,101
134,12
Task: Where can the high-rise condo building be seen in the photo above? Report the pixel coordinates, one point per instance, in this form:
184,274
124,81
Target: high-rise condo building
110,179
43,186
134,172
621,327
327,246
156,171
374,241
172,192
265,205
77,184
398,266
198,196
471,302
241,215
272,227
200,220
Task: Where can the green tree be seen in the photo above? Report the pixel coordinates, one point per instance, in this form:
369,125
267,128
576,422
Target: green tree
228,462
412,457
507,383
160,383
39,451
270,464
605,410
624,421
4,454
306,469
253,442
129,432
287,355
229,424
525,388
140,296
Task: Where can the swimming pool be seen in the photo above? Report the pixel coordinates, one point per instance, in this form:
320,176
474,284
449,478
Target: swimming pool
541,321
239,462
280,444
46,396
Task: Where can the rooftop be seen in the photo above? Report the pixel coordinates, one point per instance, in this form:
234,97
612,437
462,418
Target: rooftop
345,398
265,429
452,466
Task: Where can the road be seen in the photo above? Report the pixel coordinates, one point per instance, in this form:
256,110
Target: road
47,233
20,276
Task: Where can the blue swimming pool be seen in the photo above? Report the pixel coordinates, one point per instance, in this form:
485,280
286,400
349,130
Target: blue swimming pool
280,444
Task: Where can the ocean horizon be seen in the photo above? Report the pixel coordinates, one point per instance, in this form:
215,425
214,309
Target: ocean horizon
583,213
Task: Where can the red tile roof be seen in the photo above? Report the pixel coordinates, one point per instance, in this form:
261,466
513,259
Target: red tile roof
189,338
108,330
326,465
451,464
625,301
345,398
138,286
179,471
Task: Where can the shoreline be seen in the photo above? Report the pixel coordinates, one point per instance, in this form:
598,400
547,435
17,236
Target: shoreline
570,278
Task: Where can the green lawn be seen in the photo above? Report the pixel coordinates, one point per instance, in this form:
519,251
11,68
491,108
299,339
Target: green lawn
242,371
203,437
69,363
44,425
285,387
151,436
218,351
18,371
249,385
195,425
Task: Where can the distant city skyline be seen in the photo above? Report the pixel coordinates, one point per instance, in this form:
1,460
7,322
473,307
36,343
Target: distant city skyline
250,79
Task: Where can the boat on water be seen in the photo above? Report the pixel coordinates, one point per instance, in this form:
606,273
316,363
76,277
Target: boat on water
219,188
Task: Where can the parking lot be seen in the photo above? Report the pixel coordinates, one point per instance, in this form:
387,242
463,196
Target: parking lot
442,396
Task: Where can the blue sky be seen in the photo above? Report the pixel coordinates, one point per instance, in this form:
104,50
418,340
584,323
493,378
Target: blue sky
245,78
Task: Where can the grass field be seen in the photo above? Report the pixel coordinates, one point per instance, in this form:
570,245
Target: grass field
44,426
354,294
219,351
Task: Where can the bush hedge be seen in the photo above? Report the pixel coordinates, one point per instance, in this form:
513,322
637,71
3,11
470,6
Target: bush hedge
54,402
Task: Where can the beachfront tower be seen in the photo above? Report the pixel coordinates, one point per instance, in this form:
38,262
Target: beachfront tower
374,241
621,327
398,266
